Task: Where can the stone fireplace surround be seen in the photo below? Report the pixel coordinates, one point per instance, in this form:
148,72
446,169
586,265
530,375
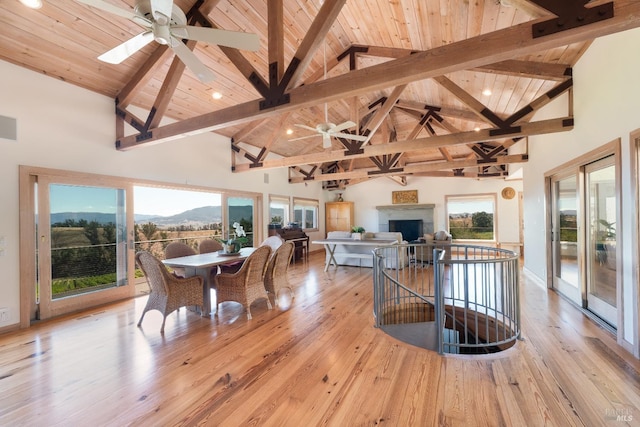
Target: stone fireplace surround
422,211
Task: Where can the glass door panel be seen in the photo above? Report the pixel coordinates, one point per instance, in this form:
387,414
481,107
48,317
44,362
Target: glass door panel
240,211
566,277
601,246
81,246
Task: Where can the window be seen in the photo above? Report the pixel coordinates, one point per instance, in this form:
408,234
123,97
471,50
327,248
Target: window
279,210
471,217
305,213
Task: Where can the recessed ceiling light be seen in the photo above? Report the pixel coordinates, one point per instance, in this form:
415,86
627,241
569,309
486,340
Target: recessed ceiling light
477,129
33,4
486,92
289,131
216,95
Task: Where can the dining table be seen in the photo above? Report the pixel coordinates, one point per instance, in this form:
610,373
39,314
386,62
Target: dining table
205,265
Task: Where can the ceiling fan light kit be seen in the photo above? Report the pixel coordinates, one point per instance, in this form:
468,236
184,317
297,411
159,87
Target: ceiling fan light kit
165,23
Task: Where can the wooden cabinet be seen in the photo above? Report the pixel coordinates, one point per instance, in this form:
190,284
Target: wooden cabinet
338,216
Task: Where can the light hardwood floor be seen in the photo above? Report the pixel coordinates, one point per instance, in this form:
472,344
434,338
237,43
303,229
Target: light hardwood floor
316,360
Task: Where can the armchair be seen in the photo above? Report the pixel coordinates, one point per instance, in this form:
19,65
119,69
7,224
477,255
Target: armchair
168,292
440,240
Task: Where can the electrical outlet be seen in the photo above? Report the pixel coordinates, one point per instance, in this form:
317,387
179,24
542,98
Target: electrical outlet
4,314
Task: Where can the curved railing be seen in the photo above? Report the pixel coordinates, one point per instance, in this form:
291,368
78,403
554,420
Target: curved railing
466,301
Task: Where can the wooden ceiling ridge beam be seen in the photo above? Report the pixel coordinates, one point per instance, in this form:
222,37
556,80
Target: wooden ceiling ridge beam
413,169
497,46
542,127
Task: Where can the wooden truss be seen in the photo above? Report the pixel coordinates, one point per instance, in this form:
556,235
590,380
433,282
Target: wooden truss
284,92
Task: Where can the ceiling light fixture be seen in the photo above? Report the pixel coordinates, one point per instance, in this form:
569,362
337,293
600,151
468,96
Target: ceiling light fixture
486,92
289,131
216,95
33,4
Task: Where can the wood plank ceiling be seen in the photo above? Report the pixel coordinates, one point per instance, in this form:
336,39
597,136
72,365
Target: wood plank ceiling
411,73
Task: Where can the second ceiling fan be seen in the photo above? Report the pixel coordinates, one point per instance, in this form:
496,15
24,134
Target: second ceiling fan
328,129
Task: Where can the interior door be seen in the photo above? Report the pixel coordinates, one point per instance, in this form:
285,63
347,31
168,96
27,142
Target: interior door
565,232
602,259
81,245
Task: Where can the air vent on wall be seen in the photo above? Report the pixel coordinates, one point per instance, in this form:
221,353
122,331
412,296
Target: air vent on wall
8,128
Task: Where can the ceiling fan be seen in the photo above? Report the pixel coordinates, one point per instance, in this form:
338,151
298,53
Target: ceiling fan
166,23
328,129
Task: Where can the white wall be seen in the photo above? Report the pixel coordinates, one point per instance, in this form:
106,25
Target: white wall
367,195
606,94
65,127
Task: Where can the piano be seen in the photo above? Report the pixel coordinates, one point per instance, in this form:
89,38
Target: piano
293,234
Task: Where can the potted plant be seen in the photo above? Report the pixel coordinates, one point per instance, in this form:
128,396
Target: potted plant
357,232
233,244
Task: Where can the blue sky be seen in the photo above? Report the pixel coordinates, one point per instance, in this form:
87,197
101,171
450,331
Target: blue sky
148,200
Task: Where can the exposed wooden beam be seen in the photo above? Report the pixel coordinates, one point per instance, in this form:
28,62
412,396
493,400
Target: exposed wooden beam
320,26
474,52
275,37
432,142
534,70
169,86
412,169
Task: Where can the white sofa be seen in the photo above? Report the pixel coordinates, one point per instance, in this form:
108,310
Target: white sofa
357,255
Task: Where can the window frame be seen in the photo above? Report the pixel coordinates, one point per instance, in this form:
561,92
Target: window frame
479,197
284,200
306,204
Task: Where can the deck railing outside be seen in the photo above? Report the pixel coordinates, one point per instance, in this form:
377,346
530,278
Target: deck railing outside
467,301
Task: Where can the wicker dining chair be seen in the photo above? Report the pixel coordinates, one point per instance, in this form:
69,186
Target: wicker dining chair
209,245
274,241
168,292
247,284
277,272
177,250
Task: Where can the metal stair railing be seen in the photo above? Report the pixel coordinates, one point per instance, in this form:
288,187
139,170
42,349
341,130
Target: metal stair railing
470,294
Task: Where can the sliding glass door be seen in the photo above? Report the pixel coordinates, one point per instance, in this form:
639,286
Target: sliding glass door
601,257
564,243
81,245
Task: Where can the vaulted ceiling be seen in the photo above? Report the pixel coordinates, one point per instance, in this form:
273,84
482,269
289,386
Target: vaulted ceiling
412,74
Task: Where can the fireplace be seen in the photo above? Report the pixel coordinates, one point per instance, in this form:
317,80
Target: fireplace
411,229
421,216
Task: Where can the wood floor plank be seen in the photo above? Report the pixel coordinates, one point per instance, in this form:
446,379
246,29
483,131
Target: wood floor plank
316,359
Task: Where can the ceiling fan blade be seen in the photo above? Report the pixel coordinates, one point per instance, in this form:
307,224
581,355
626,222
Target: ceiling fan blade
342,126
126,49
108,7
306,127
303,137
326,140
234,39
191,61
161,11
349,136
